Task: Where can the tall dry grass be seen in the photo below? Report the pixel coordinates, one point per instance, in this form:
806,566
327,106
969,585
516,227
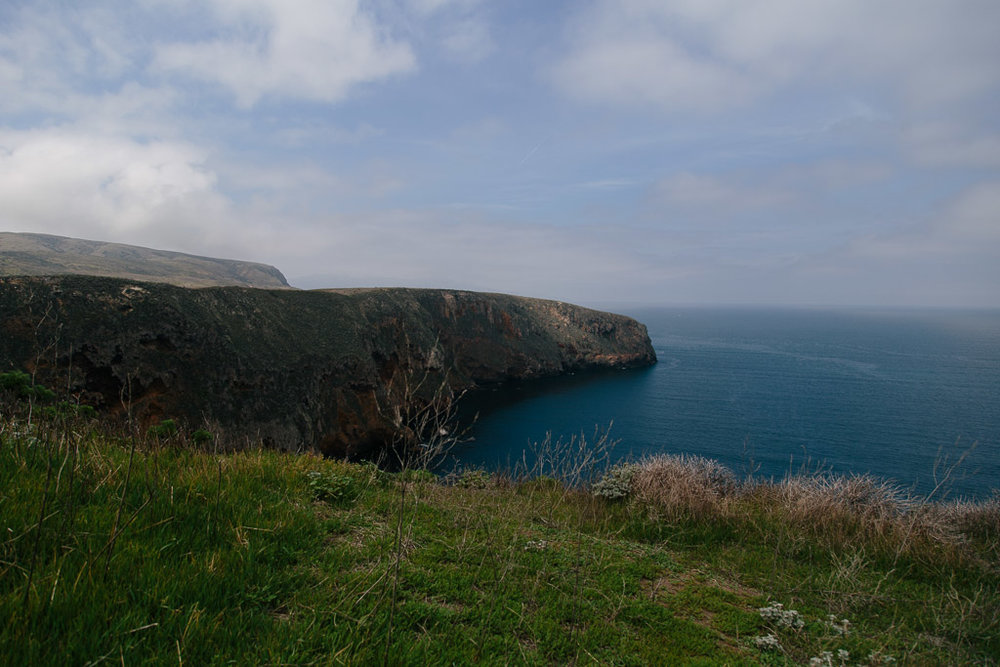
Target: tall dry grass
684,486
839,510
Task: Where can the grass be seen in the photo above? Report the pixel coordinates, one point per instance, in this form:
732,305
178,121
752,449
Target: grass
127,548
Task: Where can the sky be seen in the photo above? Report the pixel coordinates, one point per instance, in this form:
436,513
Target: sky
841,152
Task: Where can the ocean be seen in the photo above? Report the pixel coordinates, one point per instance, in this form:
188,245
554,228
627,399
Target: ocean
900,394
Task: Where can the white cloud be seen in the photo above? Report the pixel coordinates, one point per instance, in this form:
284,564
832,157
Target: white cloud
311,49
646,70
717,54
48,52
66,182
80,66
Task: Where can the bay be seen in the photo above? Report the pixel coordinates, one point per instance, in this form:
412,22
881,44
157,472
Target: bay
901,394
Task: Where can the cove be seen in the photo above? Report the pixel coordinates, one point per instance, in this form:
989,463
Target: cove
894,393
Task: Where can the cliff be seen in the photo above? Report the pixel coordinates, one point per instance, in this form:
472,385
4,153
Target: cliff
46,255
324,370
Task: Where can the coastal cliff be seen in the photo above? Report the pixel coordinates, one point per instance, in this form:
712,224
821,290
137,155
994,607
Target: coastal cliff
326,370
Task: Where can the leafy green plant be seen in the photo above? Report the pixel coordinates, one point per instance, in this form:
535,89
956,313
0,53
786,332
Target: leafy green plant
416,475
16,381
202,437
166,429
473,478
67,409
331,487
20,384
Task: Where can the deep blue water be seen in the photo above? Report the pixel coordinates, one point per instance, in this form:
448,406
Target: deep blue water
882,392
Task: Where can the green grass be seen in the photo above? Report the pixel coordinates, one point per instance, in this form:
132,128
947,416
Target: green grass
134,550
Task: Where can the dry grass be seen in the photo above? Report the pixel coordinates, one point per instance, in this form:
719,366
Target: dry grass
837,509
974,518
684,486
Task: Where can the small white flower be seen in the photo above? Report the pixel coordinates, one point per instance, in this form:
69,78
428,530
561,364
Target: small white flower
825,659
536,545
777,614
767,642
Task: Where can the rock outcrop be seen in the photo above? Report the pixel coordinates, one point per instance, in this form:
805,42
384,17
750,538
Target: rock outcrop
323,370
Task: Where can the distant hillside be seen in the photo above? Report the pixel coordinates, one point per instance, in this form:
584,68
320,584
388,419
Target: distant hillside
45,255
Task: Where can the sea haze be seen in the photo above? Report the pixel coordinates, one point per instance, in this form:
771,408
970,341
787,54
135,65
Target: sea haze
887,392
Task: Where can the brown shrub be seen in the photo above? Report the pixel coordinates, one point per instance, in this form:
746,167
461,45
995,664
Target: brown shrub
684,486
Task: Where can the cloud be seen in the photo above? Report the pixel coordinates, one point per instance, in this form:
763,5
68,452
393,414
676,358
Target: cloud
468,39
459,28
782,150
78,184
951,144
426,7
312,49
966,227
683,55
646,69
437,248
974,217
708,196
50,52
165,194
317,50
950,256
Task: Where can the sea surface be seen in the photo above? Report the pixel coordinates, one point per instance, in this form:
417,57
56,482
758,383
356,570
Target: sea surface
901,394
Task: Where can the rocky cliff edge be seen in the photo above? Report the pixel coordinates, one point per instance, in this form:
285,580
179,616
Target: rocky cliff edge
327,370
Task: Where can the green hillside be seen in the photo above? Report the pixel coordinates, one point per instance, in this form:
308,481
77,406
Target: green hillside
47,255
147,547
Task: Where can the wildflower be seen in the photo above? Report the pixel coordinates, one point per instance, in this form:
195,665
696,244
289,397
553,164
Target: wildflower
781,617
616,482
768,642
841,627
876,658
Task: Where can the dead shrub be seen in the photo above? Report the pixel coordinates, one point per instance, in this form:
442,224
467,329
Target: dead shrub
842,507
681,485
863,497
974,519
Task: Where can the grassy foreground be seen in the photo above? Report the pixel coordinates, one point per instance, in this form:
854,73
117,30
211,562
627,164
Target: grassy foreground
130,550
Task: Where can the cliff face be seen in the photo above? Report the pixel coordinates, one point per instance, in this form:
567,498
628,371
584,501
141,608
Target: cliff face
323,370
